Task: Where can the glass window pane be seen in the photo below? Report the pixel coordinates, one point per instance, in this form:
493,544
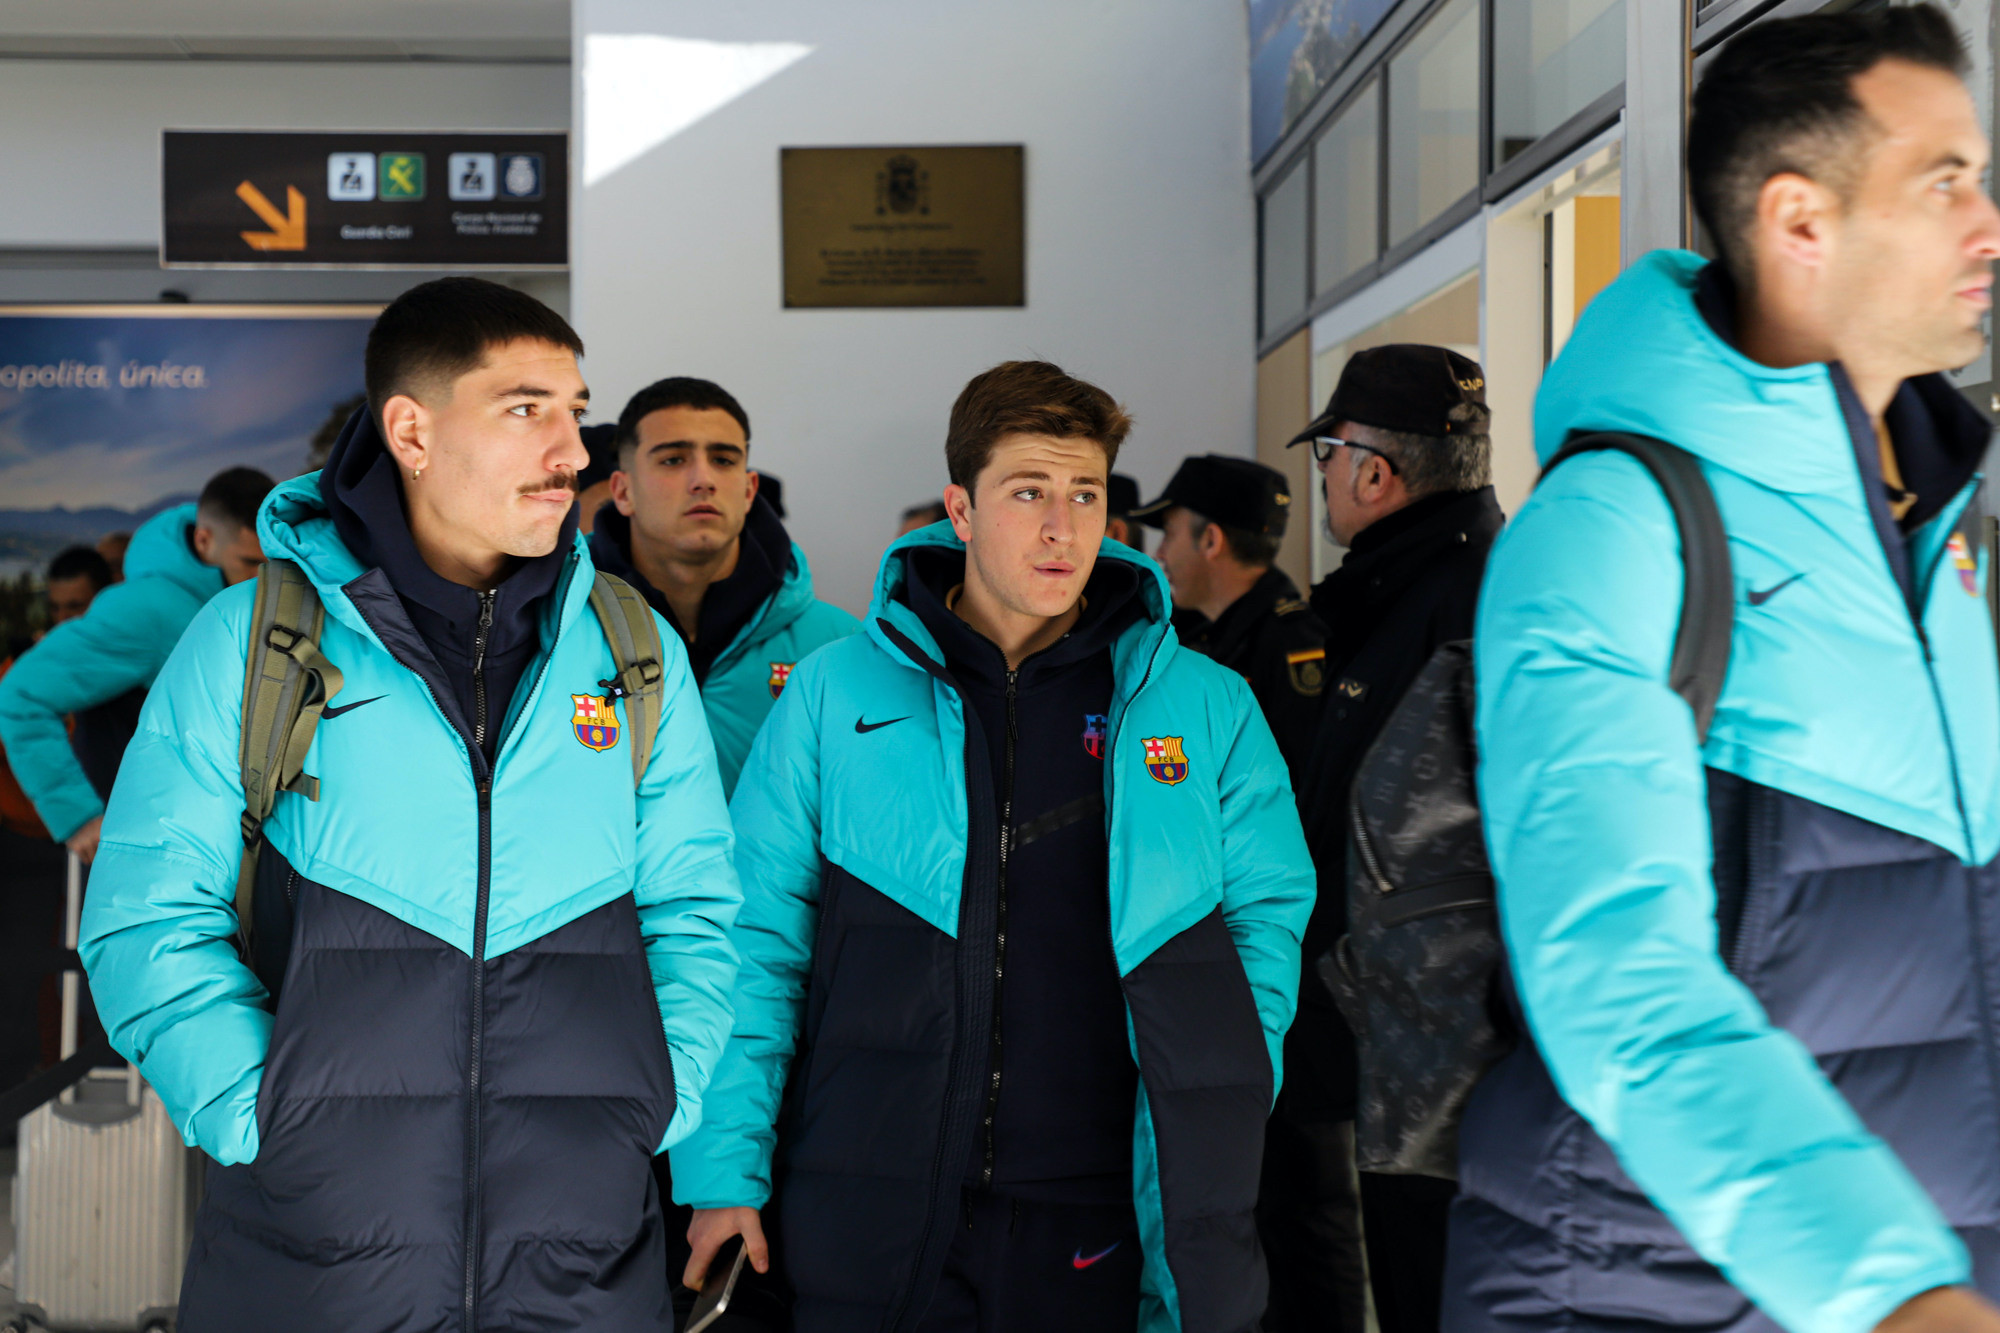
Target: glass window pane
1285,250
1551,59
1434,119
1345,220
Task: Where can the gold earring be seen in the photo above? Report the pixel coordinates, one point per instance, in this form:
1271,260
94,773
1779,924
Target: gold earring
416,472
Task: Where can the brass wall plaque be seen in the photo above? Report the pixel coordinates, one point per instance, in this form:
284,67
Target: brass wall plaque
923,226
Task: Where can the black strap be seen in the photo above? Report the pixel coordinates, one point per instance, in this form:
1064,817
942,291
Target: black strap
24,1097
1708,608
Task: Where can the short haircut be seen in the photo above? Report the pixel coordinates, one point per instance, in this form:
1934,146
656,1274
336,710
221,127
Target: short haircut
1257,549
1438,464
81,562
930,511
231,497
1780,98
439,330
1029,398
676,391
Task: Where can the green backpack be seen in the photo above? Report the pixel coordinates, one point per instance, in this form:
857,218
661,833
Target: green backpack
287,684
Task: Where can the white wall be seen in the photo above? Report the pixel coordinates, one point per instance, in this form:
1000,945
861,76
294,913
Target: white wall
1140,233
80,158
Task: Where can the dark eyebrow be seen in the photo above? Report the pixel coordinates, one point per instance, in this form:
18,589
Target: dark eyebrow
536,391
698,444
1951,160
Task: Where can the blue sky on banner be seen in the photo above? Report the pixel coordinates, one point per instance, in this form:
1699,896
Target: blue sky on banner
122,412
1296,47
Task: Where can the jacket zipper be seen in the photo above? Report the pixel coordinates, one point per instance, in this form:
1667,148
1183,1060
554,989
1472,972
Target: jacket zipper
1000,925
479,669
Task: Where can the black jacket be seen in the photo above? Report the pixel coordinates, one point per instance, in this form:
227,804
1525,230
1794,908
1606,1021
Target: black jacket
1273,640
1409,584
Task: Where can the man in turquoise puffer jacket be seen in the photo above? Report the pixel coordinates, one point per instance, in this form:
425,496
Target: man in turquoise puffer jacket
685,526
508,969
1762,1088
1024,886
100,665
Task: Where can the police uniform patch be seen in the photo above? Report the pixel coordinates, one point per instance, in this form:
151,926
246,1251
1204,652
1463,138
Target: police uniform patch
780,673
1962,560
1307,669
1165,759
596,720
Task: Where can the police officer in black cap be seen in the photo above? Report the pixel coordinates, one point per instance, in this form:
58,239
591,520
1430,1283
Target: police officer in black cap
1405,458
1223,518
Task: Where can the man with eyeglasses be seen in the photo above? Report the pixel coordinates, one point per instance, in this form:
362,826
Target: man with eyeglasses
1405,454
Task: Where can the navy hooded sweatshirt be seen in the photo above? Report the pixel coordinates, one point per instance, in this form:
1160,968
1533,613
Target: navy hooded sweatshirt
1058,1121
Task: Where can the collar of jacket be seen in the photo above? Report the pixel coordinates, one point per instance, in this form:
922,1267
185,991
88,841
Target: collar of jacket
294,525
1383,564
1242,616
1647,329
1139,652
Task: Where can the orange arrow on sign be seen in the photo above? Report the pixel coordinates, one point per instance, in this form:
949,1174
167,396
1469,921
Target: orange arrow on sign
287,233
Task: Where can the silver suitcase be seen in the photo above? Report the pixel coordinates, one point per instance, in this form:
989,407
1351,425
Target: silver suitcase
104,1199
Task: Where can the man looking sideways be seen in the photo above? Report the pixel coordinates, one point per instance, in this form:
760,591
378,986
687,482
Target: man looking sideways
1757,966
1025,887
507,969
687,528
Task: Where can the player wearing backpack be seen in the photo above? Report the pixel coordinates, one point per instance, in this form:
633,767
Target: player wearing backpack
507,973
1757,969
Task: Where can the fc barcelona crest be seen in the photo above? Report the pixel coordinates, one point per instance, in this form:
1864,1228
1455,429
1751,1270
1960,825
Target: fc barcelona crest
1093,735
596,720
1963,562
1165,759
780,673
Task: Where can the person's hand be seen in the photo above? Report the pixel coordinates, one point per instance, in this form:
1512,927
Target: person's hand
712,1227
84,841
1943,1310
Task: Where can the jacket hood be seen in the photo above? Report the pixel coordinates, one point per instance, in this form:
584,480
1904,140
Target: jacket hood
1152,633
163,548
1781,428
296,523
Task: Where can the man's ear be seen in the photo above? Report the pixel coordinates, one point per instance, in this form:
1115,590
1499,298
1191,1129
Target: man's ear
621,491
406,430
958,508
755,479
204,543
1794,214
1212,543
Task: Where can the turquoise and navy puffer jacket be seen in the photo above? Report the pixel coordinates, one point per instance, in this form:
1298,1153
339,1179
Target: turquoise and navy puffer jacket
114,648
866,997
747,677
506,989
1760,970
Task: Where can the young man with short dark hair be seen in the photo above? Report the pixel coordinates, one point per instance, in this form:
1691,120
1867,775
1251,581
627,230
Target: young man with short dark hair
687,528
100,665
502,973
1024,888
1760,1083
75,577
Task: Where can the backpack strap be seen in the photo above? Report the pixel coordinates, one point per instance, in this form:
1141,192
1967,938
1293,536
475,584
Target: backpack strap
286,684
1708,607
637,652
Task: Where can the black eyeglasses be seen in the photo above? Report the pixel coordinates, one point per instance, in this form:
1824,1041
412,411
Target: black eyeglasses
1324,445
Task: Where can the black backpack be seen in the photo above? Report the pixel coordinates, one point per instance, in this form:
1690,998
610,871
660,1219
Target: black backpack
1418,974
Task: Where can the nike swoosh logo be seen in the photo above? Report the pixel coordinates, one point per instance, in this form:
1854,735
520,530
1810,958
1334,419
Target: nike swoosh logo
332,711
863,728
1078,1261
1759,597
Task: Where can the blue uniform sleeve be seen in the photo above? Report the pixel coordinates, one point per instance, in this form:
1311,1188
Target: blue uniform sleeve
159,923
1267,874
1592,787
727,1162
118,645
686,889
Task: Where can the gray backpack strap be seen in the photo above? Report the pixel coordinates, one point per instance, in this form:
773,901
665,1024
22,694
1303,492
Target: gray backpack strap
286,684
636,650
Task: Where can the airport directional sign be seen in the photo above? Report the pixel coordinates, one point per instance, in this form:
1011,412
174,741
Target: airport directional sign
369,199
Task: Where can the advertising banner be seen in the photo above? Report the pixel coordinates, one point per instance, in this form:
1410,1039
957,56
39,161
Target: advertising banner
109,414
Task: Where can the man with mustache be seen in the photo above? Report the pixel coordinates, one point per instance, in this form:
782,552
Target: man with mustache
491,963
686,527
